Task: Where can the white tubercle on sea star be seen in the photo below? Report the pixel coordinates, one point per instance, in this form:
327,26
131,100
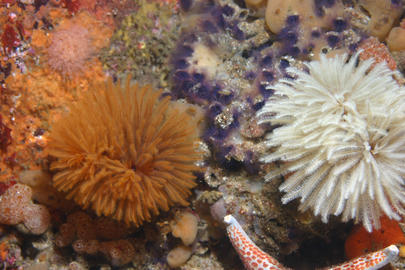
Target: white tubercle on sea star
256,259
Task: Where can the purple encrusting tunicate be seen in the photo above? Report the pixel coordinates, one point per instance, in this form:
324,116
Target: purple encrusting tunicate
284,63
209,27
268,76
250,166
320,6
223,96
218,20
224,157
332,40
220,65
237,33
181,76
266,93
396,2
339,24
185,5
316,34
214,110
184,51
353,47
202,91
198,77
266,61
288,35
293,20
327,3
218,16
189,83
215,135
250,75
181,64
258,105
228,10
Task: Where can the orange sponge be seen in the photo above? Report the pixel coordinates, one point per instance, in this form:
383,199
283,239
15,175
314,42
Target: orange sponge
361,242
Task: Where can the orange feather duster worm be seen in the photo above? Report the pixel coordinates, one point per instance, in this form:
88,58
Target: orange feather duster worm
125,153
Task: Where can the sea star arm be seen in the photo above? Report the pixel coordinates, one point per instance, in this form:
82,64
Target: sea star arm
372,261
251,255
256,259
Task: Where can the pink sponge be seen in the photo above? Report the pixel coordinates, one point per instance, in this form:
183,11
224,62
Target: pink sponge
12,203
87,235
16,207
70,49
118,252
36,218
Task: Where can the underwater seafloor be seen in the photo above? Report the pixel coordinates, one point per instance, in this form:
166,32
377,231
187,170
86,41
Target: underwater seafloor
218,61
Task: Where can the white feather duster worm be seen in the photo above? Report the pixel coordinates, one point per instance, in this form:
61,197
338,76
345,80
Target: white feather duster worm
342,137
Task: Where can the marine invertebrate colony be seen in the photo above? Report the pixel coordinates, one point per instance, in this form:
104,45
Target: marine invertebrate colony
75,43
125,153
255,259
16,207
225,61
69,50
343,139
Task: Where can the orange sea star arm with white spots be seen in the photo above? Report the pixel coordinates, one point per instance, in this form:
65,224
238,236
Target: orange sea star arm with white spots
255,259
372,261
251,255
